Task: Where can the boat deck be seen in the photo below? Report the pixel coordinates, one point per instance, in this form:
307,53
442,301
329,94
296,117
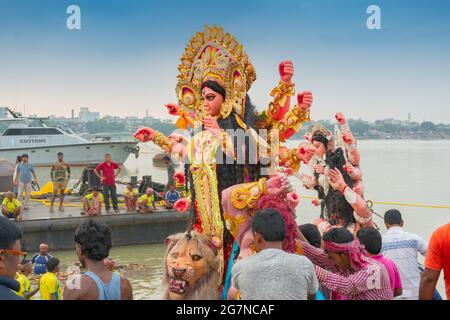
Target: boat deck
57,229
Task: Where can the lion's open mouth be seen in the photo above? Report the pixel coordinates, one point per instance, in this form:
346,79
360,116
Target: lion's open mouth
178,286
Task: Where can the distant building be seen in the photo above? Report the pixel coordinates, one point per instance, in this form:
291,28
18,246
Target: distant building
85,115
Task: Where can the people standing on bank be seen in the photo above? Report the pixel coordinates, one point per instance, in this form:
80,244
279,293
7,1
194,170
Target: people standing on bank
170,172
16,184
59,180
107,174
24,176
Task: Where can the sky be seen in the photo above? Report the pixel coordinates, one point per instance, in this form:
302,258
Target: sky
124,58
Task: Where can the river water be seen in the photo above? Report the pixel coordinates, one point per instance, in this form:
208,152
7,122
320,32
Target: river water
405,171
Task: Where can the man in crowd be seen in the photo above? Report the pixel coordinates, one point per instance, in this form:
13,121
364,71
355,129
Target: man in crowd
10,256
437,259
49,284
131,196
273,274
312,234
15,182
106,171
93,202
93,243
11,207
343,267
40,259
170,172
59,180
171,197
26,291
371,239
147,202
24,174
403,247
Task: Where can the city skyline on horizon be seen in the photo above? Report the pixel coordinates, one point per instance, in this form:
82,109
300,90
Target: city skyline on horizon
409,118
124,59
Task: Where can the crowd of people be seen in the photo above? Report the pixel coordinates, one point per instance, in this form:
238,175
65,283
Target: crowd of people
336,266
369,267
92,246
16,201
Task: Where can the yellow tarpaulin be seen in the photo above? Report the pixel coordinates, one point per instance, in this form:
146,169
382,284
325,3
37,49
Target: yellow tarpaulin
47,189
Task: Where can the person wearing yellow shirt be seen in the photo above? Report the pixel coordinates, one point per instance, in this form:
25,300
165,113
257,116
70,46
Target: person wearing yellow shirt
26,291
49,284
147,202
131,196
93,202
11,207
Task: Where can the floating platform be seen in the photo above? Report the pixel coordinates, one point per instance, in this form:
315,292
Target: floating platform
58,229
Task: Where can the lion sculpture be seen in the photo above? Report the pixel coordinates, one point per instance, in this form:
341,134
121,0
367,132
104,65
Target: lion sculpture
190,268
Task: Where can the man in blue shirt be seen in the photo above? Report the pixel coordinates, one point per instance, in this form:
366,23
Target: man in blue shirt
40,259
10,257
171,197
24,173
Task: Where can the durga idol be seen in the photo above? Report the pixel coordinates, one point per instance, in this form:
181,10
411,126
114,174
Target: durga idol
214,78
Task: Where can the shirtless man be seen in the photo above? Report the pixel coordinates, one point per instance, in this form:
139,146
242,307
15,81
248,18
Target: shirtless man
60,180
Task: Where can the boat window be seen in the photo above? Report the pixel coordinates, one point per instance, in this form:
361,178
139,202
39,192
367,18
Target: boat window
31,131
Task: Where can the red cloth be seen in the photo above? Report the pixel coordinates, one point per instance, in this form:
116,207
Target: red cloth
107,171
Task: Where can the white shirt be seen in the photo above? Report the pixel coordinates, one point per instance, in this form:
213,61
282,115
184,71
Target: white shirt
402,248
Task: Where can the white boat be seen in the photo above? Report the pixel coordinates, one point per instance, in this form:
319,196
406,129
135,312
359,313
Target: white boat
42,143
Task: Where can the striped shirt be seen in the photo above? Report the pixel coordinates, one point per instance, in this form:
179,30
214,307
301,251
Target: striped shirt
368,283
403,247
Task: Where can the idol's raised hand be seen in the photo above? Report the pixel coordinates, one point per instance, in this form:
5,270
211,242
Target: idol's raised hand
348,137
278,185
305,153
172,108
305,100
145,134
286,70
340,118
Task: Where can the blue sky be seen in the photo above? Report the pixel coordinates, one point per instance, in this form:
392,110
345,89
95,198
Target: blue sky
124,59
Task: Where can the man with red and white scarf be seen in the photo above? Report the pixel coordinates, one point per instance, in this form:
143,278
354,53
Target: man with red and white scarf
344,267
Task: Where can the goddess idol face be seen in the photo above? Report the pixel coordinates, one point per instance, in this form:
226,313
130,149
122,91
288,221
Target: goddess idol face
212,101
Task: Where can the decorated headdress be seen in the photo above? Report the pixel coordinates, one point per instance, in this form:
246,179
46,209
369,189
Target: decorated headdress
214,55
321,134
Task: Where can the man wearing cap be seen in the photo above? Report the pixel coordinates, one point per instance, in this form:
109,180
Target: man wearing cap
40,259
147,202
